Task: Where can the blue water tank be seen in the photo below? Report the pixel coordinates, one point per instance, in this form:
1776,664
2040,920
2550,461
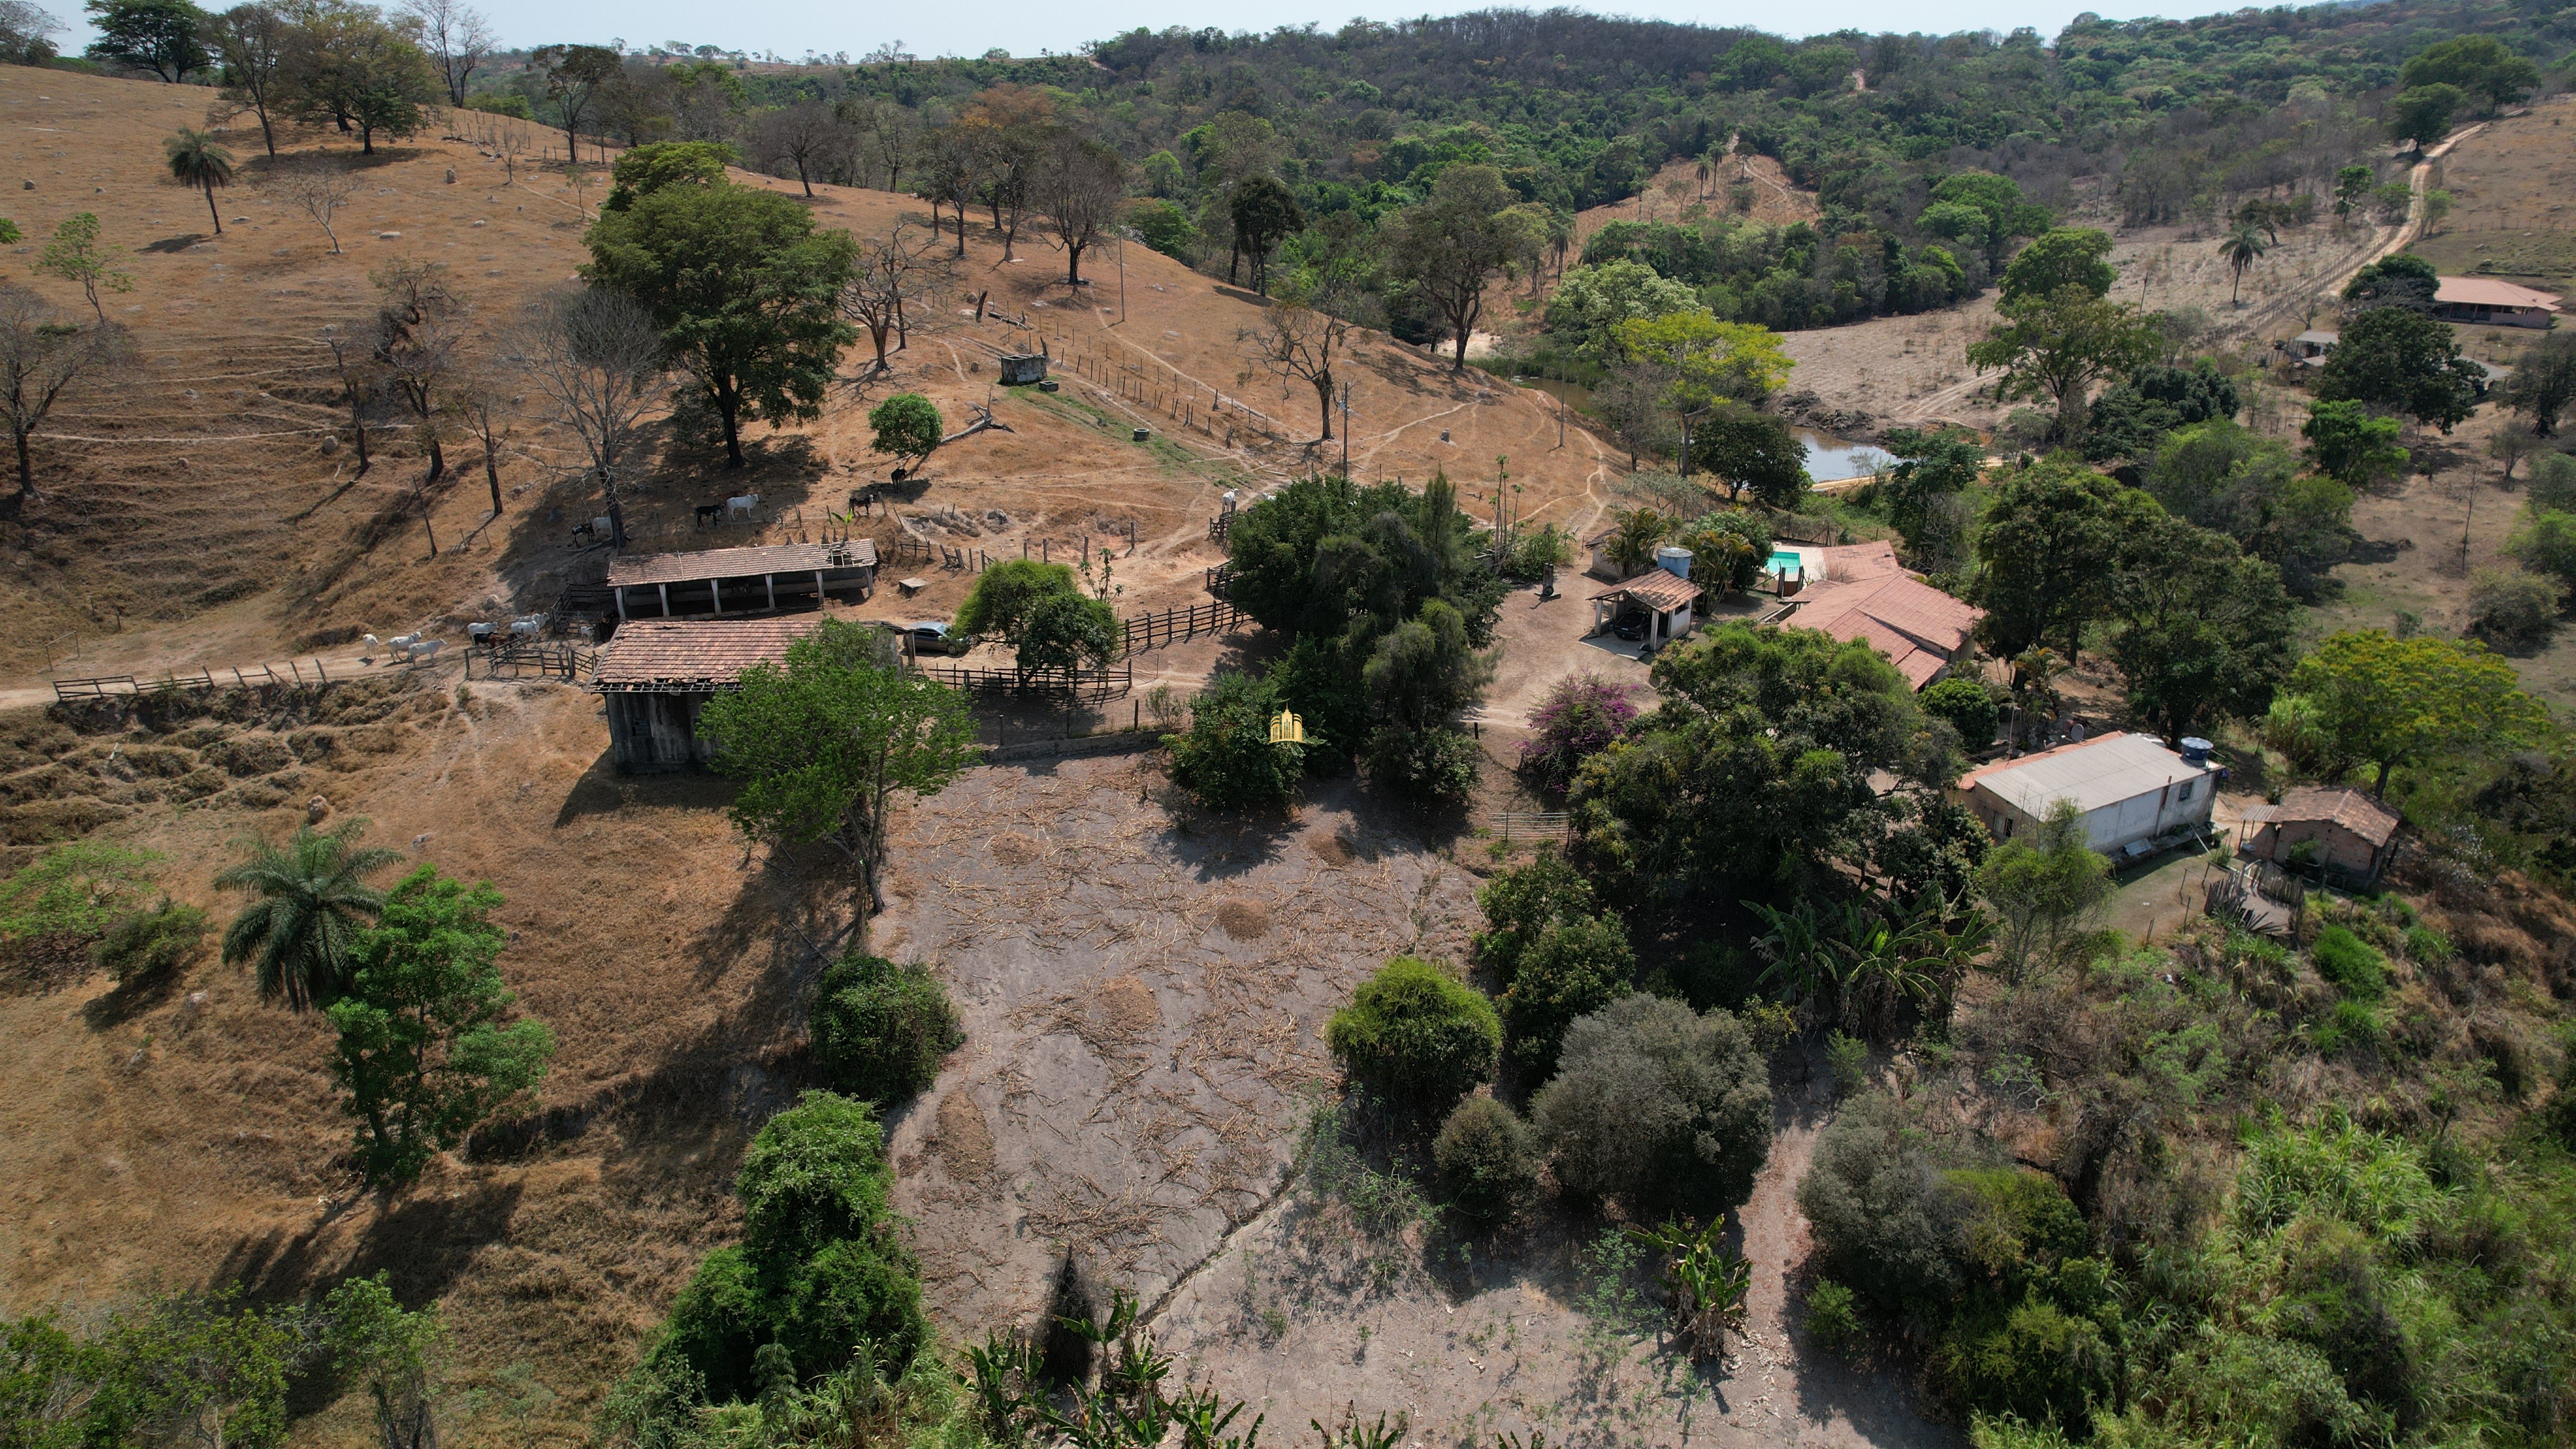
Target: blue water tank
2195,751
1674,561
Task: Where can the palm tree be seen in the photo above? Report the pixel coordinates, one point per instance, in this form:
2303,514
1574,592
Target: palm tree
312,899
195,160
2243,248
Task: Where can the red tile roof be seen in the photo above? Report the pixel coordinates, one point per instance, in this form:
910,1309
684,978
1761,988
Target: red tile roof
1657,589
1918,627
691,655
2489,292
2351,809
739,563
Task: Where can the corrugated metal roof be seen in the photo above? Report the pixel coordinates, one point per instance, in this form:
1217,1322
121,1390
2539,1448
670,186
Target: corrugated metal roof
2101,771
652,655
739,563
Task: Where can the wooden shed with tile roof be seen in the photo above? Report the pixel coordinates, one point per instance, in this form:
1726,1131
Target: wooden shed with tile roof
658,674
2343,831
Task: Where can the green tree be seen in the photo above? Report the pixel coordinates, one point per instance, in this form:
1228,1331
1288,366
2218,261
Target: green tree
2130,418
2202,631
1067,632
77,889
1264,214
2383,701
1520,902
1416,1035
2060,344
2243,248
2065,256
181,1367
2421,115
2226,477
1748,450
2051,543
1729,549
1930,463
823,743
1590,303
351,67
2513,610
2350,446
1447,248
74,254
2045,889
2352,188
1488,1161
423,1058
2399,360
907,427
160,36
2402,279
311,904
2477,65
1703,366
648,168
1575,967
2546,544
881,1030
2543,381
391,1352
1225,757
1967,707
1654,1103
576,77
195,160
2008,214
1956,223
745,290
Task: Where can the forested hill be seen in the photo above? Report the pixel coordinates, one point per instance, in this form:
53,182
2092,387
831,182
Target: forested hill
1581,109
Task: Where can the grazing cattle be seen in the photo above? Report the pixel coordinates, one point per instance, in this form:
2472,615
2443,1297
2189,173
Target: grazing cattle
741,506
481,633
710,513
424,648
402,641
528,627
581,530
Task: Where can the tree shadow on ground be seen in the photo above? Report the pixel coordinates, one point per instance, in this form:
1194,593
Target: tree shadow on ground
605,790
422,1240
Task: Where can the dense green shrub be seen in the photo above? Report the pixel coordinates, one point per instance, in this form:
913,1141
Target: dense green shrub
1432,766
151,944
1225,757
1657,1105
1573,968
880,1030
76,889
1519,903
1416,1035
2350,963
819,1270
1881,1214
1833,1315
2426,946
1488,1161
1967,707
1847,1058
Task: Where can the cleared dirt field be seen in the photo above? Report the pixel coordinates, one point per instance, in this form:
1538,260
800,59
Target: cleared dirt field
2513,190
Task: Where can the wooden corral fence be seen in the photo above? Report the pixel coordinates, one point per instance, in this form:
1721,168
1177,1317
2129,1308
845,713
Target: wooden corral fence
203,681
1535,824
1154,631
534,659
907,547
1220,526
1090,685
1220,580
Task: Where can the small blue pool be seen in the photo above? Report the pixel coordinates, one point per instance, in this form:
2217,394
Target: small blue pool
1784,562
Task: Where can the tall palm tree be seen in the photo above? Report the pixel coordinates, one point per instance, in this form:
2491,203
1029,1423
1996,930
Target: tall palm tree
195,160
2243,248
311,901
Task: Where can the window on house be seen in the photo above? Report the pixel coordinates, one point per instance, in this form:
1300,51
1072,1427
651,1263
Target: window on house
2187,787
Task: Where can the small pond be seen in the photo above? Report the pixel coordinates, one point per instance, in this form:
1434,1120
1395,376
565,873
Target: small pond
1830,459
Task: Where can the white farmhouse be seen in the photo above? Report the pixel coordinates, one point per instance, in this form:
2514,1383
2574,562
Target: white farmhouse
2131,789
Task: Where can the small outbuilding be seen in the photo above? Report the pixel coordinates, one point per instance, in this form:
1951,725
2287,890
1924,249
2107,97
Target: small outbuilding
2132,791
658,674
1022,368
2310,347
767,579
1666,597
2339,830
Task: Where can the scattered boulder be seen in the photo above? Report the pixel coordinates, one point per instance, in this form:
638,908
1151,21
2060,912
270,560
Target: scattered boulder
315,809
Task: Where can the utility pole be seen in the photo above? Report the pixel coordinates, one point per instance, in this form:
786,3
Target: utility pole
1122,275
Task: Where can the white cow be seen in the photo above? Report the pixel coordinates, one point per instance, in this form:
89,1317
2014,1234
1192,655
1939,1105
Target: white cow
402,641
481,633
741,506
424,648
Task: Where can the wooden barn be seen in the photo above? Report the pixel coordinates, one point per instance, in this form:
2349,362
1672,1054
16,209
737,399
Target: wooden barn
767,579
658,674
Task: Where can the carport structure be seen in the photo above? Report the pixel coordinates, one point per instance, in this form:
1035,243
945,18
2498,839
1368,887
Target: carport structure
1667,597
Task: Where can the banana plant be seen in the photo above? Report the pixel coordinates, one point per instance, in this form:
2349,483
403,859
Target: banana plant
1001,1375
1704,1284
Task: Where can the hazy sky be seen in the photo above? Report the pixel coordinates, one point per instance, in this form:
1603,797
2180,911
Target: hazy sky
969,27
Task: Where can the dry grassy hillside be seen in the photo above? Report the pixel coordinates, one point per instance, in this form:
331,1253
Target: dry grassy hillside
199,512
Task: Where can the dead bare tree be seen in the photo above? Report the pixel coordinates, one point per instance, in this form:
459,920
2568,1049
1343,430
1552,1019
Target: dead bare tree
892,274
599,361
419,334
483,405
318,187
808,136
1079,191
1297,338
354,364
42,358
457,37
